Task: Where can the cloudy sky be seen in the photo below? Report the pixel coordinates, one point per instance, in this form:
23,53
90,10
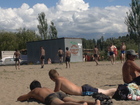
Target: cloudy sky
72,18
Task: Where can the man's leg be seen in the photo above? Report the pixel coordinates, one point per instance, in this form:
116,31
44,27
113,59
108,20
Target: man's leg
109,92
18,64
57,101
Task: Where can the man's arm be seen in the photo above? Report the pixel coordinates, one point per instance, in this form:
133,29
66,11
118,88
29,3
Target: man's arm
57,85
134,66
24,97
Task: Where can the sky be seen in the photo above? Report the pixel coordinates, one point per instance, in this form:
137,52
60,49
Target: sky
73,18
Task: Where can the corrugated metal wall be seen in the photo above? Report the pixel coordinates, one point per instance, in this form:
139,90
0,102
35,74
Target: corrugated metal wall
51,47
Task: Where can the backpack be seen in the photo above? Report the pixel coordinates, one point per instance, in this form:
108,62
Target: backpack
121,93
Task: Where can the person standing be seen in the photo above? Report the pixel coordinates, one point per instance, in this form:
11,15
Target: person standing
60,54
112,54
67,57
96,54
17,59
42,56
123,48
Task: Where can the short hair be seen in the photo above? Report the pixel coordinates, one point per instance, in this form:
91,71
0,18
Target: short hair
53,73
67,48
35,84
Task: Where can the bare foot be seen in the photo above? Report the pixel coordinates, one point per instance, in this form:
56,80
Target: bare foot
85,103
97,102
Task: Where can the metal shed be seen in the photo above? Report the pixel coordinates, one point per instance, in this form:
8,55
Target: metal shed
51,47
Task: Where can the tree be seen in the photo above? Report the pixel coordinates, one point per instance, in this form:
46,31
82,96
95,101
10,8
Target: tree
24,36
53,31
8,41
133,20
43,26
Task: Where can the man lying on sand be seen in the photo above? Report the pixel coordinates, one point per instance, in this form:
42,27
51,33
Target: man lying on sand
50,97
68,87
130,71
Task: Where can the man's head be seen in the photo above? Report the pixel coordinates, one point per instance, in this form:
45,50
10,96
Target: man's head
67,48
35,84
130,52
53,74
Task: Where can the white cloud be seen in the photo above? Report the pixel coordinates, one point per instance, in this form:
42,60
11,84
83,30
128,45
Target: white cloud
71,17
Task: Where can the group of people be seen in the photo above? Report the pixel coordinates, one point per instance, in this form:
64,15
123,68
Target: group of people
130,73
60,54
57,97
16,57
67,56
113,52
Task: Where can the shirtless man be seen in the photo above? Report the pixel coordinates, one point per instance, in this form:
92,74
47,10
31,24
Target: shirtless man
67,56
17,58
96,53
60,54
123,48
68,87
112,54
130,71
49,97
42,56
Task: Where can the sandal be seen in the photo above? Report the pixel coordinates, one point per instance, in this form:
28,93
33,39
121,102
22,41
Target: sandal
104,99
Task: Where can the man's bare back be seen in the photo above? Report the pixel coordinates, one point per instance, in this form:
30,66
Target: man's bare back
95,51
60,51
68,53
17,54
38,93
42,52
130,71
66,86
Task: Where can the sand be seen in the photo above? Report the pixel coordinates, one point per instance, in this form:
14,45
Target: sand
14,83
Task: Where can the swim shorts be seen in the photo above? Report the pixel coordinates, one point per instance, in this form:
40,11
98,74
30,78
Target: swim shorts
111,53
95,55
42,57
51,97
88,90
136,80
16,59
60,55
123,52
67,59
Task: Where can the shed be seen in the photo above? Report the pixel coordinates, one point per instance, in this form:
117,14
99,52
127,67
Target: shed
51,47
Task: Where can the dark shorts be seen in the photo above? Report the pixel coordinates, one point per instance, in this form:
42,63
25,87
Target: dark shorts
137,80
51,97
95,55
60,55
111,53
16,59
67,59
122,52
88,90
43,57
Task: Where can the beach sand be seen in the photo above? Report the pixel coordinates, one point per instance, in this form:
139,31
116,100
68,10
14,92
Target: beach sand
14,83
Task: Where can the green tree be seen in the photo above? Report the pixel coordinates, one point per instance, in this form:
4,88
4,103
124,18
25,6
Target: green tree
24,36
43,26
52,31
133,20
8,41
